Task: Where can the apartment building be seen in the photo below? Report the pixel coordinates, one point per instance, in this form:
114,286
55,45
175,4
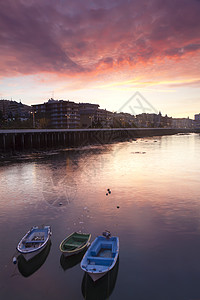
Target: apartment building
182,123
92,116
57,114
123,120
88,114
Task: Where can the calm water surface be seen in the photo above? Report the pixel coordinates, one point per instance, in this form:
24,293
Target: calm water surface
154,182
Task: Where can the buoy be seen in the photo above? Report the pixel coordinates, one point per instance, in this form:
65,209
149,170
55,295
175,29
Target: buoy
106,194
60,203
14,260
109,192
117,206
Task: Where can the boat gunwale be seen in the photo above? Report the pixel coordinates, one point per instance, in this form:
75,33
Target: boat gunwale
27,251
76,249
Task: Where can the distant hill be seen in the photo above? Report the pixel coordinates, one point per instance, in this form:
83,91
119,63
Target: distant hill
13,109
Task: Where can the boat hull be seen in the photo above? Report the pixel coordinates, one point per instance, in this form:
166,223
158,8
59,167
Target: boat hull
67,254
102,288
29,256
28,267
96,276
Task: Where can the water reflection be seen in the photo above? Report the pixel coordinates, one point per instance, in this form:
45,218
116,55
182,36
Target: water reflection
71,261
103,288
158,219
59,191
27,268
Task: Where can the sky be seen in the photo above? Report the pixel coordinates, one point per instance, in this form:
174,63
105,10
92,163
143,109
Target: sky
130,55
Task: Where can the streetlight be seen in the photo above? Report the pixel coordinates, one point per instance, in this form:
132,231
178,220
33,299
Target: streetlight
91,117
68,117
108,121
33,113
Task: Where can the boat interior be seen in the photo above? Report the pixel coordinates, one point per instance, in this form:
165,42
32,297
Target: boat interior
74,242
35,238
102,253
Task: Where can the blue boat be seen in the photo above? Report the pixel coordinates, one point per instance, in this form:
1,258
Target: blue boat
34,241
101,256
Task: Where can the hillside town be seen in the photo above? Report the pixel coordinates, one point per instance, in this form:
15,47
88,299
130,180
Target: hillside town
68,114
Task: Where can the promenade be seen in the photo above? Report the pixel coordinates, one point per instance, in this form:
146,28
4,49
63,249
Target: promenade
30,139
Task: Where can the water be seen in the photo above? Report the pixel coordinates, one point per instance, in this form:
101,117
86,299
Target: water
154,208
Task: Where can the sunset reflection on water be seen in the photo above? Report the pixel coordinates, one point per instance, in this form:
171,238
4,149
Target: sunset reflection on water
153,207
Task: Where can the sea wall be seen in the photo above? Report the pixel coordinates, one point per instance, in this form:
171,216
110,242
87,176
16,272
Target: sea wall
33,139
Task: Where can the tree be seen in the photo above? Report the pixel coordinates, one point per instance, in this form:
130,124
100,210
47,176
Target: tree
1,118
117,123
43,123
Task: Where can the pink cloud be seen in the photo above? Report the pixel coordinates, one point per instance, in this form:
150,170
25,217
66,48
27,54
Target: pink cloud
89,37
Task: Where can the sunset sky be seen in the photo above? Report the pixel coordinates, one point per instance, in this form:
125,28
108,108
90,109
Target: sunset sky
102,51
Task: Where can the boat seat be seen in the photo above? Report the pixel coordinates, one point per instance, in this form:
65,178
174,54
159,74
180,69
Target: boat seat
98,247
33,242
80,239
71,245
104,261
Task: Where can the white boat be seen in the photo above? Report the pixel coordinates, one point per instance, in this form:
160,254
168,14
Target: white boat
34,241
101,256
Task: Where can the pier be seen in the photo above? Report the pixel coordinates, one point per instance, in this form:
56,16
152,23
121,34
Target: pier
33,139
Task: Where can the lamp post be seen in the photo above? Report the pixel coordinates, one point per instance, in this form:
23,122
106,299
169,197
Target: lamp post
91,118
68,117
108,121
33,114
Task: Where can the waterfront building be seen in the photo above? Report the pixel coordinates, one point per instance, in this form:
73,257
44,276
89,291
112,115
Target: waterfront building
105,118
124,120
197,117
148,120
68,114
153,120
182,123
92,116
166,122
197,121
57,114
88,114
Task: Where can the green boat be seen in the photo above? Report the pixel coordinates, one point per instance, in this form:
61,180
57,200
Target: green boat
75,243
